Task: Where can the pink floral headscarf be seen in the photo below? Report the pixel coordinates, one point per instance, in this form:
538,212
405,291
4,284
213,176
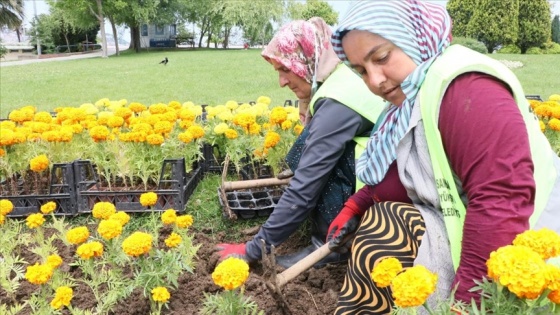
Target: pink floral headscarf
294,47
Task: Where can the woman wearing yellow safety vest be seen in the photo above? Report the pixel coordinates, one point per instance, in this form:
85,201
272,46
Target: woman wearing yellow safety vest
457,165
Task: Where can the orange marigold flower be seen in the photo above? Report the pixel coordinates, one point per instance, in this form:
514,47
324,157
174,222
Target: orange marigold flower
99,133
39,163
271,139
298,129
554,296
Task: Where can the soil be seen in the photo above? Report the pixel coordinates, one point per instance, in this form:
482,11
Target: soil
314,292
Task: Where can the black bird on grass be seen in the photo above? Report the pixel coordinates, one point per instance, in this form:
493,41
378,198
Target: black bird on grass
164,61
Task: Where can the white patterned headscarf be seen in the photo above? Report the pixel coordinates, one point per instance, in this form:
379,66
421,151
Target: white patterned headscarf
422,30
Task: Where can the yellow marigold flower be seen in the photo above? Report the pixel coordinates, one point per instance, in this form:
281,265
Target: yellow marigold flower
413,286
187,114
6,137
220,128
48,207
39,163
231,133
157,108
520,269
231,273
255,129
99,133
142,126
196,131
185,137
103,210
554,296
286,125
137,107
542,125
184,221
245,119
298,129
155,139
115,122
258,153
534,103
89,250
137,244
231,105
109,229
544,241
554,97
2,219
6,206
185,124
38,274
35,220
120,216
123,112
554,271
555,112
169,216
543,111
173,240
77,235
554,124
163,127
19,116
62,297
148,199
54,261
225,115
264,100
271,139
8,124
44,117
278,115
160,294
385,271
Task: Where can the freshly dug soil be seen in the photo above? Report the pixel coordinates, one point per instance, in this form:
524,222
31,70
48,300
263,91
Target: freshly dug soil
313,292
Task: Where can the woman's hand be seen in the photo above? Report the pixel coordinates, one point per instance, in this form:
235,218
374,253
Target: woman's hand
345,223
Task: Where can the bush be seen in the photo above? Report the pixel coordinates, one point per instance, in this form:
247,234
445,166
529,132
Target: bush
471,43
3,51
534,51
551,48
509,49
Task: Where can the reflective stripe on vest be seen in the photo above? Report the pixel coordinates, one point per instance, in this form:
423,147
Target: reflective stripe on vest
347,88
455,61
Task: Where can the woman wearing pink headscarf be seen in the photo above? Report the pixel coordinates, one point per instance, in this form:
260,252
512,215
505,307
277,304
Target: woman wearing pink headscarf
322,159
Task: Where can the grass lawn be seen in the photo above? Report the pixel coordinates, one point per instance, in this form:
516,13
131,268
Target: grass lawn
201,76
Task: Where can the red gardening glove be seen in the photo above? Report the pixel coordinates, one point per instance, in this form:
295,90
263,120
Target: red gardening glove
345,223
232,250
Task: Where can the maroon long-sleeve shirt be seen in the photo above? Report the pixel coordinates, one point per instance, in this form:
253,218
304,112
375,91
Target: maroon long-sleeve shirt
486,142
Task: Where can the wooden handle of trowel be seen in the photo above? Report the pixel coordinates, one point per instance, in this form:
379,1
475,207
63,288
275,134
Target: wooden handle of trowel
302,265
254,183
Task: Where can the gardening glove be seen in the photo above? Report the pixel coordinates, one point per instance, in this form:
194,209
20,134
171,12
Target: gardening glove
345,224
232,250
285,174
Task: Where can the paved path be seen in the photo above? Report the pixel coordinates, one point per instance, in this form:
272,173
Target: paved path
110,51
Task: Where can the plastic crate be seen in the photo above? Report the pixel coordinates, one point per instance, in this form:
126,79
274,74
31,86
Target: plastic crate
252,203
61,191
174,189
213,162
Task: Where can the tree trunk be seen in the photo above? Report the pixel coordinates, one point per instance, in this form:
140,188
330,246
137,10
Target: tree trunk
18,33
115,36
134,37
102,28
67,42
227,32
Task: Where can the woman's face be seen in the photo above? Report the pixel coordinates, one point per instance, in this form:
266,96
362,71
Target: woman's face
382,65
298,85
